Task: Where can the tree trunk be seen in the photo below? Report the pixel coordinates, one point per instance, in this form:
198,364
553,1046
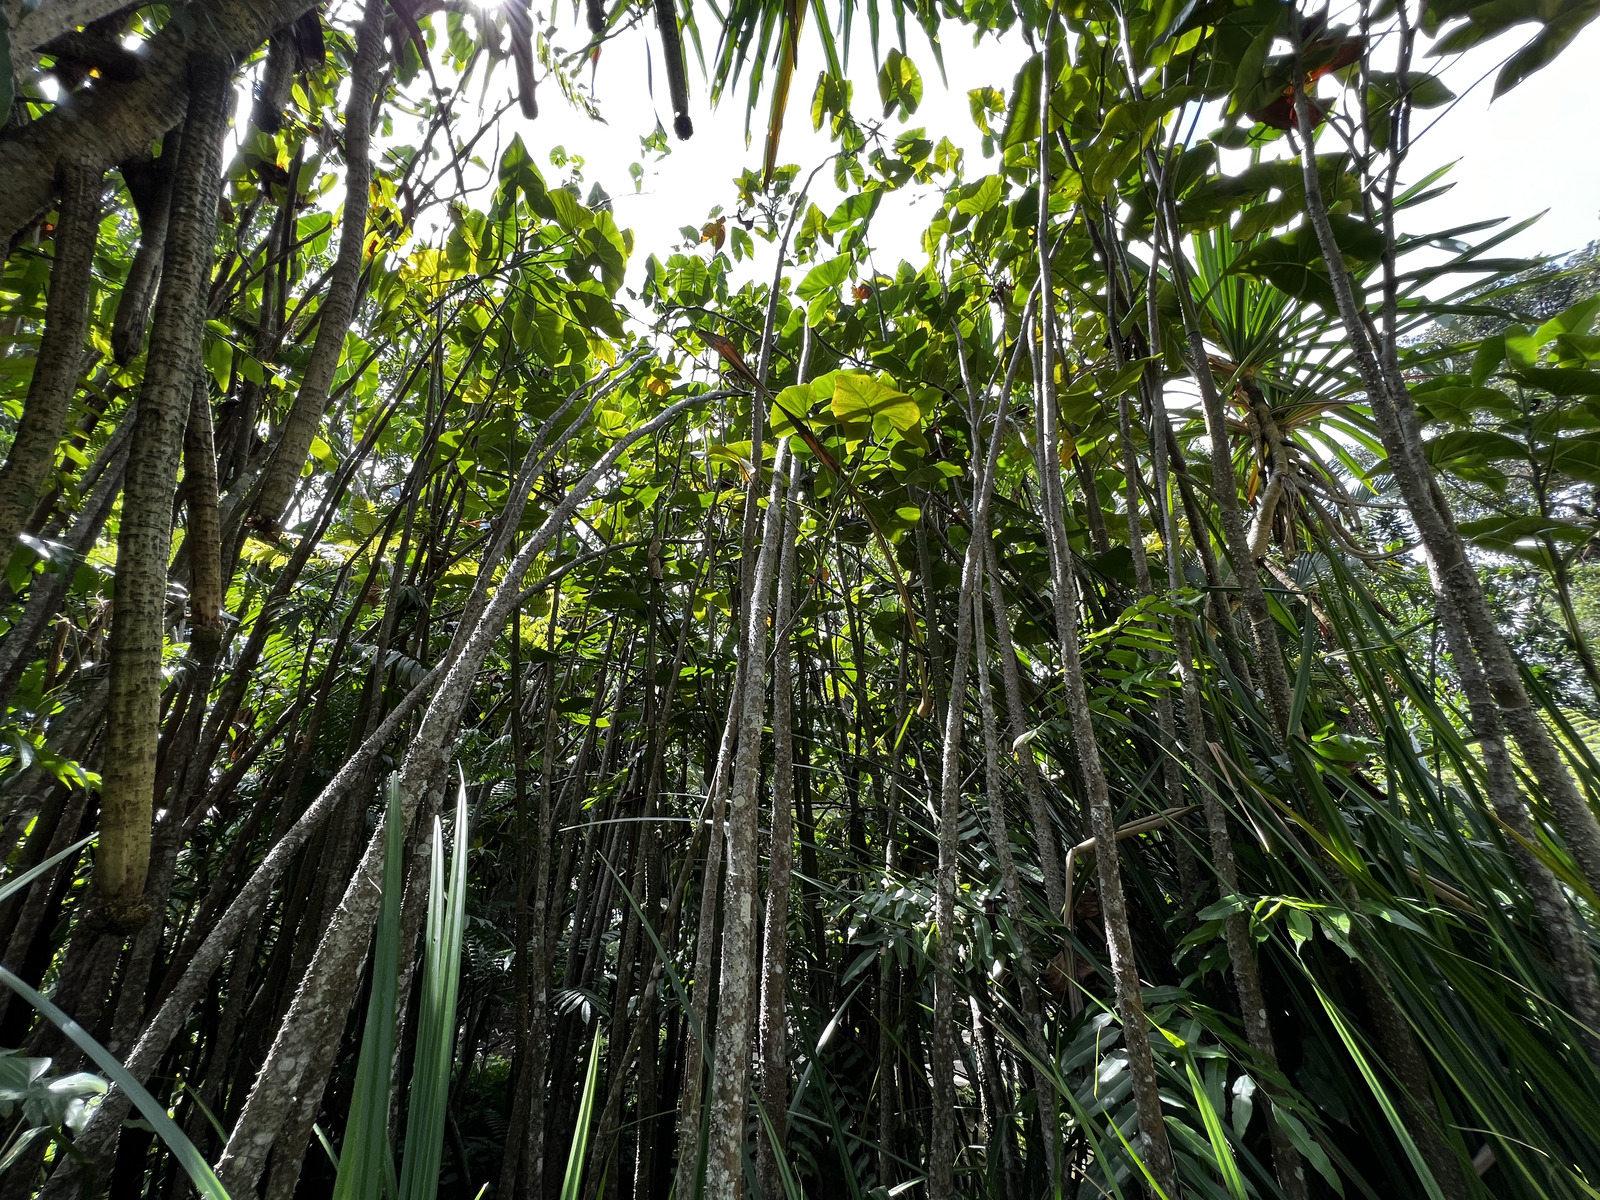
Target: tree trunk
1263,628
770,1144
119,118
144,539
322,1003
1102,821
1455,580
731,1065
1287,1163
61,349
149,182
203,542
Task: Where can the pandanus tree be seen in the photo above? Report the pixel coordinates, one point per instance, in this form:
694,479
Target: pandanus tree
787,646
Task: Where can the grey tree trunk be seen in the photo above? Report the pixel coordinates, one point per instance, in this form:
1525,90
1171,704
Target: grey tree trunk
770,1146
1264,629
942,1140
691,1106
1102,820
149,182
1489,673
203,541
1287,1163
730,1070
942,1134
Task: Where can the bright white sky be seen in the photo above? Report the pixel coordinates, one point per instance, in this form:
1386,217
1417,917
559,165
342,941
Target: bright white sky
1528,152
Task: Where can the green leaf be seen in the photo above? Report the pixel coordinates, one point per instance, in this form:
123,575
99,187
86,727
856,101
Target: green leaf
572,1183
1486,361
1429,91
981,196
1471,444
1456,405
595,311
433,1071
15,885
899,84
569,214
858,398
1222,909
1521,347
824,278
1522,537
983,103
1544,47
1578,457
1575,319
1252,88
1221,1151
1022,114
796,399
1311,1150
1292,263
1560,381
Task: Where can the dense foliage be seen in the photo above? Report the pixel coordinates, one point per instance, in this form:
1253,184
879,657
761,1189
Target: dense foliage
1104,709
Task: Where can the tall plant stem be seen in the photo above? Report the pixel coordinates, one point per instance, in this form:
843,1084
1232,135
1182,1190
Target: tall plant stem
1153,1141
339,301
61,351
1264,629
731,1064
144,538
1287,1162
774,1017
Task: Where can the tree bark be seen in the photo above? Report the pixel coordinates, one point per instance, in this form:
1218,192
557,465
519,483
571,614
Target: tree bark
1287,1163
203,542
770,1145
118,119
1469,627
1153,1141
1455,580
705,961
1263,628
61,349
144,539
730,1070
149,182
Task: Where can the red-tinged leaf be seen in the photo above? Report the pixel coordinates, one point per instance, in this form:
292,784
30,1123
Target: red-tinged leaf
1280,113
730,355
1338,55
810,439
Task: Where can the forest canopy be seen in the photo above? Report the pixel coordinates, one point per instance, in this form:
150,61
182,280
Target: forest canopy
1102,707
